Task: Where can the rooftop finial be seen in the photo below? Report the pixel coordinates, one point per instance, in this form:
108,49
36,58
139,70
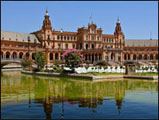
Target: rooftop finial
47,12
118,21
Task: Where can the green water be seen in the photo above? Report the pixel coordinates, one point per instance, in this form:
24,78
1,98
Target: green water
26,96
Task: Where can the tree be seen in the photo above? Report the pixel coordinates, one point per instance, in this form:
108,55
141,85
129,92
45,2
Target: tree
40,60
73,59
26,62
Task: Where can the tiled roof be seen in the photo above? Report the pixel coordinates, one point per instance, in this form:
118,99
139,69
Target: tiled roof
106,35
15,36
141,43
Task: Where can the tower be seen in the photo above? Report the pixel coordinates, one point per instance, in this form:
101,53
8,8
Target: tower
118,31
119,40
47,36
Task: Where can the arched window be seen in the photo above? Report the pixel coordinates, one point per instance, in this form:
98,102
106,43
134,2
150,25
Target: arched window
51,56
1,55
33,56
58,37
151,57
128,56
86,57
92,46
7,55
67,37
125,57
14,55
56,56
20,55
86,46
140,57
145,57
80,46
134,57
66,46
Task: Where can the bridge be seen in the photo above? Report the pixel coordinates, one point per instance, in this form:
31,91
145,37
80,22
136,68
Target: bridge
8,61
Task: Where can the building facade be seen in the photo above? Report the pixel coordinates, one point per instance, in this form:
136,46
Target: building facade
94,45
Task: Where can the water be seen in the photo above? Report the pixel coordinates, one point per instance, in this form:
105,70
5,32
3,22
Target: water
26,96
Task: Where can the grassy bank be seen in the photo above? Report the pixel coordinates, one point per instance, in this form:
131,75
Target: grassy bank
147,74
98,74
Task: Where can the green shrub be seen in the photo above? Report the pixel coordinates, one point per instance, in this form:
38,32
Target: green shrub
26,62
40,60
102,63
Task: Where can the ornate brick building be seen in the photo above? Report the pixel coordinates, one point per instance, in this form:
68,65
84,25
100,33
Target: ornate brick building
94,45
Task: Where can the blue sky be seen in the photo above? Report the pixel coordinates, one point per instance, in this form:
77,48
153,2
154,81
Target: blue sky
139,20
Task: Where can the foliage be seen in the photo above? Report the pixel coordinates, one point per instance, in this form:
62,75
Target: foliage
101,63
40,60
105,67
26,62
72,59
57,62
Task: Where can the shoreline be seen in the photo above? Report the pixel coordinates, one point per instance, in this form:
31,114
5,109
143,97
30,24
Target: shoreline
91,77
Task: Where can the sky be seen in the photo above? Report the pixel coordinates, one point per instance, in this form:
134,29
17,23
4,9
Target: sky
139,20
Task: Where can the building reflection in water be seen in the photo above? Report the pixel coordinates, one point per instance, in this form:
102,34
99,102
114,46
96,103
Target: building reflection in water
48,92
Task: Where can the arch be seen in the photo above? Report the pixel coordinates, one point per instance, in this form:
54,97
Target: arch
151,57
33,56
92,46
7,55
27,54
86,57
99,56
61,56
86,46
56,56
80,46
1,55
20,55
96,57
14,55
112,56
134,57
145,57
51,56
92,57
156,56
124,56
140,57
128,56
89,57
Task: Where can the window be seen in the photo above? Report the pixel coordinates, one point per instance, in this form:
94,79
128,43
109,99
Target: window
59,45
66,46
74,38
57,37
67,37
64,37
48,37
92,46
2,38
61,37
86,46
71,37
73,45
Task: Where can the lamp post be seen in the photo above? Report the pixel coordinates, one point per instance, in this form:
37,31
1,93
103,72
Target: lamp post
62,37
28,45
35,44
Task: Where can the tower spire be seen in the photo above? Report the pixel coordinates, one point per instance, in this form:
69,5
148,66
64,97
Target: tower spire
46,12
118,21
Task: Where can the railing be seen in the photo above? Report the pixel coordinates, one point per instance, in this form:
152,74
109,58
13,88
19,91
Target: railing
11,60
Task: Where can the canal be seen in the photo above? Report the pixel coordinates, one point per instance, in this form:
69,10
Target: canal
27,96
